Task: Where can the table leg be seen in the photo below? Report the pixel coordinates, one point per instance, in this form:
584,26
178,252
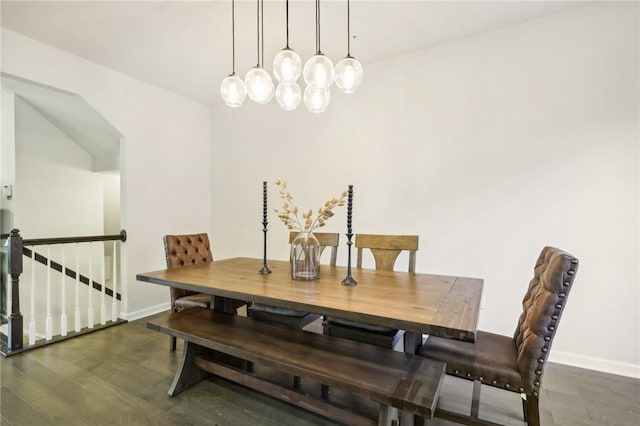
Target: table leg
412,342
230,306
226,305
387,415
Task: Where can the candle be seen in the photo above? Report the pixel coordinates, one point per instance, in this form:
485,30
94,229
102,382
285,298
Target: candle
265,269
264,202
349,279
349,210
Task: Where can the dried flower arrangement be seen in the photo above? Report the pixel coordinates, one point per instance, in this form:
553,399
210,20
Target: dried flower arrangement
289,213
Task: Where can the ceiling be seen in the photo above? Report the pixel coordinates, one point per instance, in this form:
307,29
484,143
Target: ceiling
185,46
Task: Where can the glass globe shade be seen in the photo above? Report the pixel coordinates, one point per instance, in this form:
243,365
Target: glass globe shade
316,100
287,66
288,96
259,85
318,72
348,74
233,91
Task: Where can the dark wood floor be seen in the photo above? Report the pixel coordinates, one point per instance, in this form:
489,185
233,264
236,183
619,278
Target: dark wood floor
120,376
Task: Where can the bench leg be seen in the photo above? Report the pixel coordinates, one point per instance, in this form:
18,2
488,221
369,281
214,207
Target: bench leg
387,415
188,374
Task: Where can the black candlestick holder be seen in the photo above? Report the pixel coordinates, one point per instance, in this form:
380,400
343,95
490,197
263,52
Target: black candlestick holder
349,279
265,269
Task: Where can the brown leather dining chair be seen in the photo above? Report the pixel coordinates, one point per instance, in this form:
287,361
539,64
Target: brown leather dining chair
181,251
385,250
517,363
292,317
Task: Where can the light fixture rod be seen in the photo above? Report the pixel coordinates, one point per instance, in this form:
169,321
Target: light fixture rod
262,29
287,19
233,37
348,30
318,26
258,30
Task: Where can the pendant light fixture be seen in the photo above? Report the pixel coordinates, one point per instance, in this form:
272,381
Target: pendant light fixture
317,100
258,81
287,67
232,88
348,70
318,74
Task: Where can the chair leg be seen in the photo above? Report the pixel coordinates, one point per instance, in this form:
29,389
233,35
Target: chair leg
475,399
296,382
172,343
524,407
533,411
325,392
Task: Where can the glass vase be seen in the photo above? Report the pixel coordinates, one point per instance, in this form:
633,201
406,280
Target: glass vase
305,257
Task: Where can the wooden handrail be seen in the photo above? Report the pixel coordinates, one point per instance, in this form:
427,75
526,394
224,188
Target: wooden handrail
122,236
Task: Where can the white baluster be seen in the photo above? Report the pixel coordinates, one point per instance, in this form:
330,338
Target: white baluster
32,298
103,306
63,305
90,312
48,321
78,323
114,274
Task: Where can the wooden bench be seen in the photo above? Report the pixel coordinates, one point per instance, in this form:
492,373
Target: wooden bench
394,380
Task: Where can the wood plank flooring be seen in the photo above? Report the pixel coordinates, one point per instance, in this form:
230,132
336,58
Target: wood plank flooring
120,376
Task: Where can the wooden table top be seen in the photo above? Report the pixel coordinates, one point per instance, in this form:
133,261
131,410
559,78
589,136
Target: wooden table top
439,305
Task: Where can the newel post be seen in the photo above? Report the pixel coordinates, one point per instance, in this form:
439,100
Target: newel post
15,331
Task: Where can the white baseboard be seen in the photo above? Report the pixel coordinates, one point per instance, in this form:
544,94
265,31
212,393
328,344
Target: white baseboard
131,316
598,364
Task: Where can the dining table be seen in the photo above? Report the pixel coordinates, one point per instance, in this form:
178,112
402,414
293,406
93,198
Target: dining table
419,303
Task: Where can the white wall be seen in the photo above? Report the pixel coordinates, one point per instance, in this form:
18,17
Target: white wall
489,148
56,194
7,158
165,156
56,191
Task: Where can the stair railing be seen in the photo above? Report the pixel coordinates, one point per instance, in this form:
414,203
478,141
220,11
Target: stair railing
17,248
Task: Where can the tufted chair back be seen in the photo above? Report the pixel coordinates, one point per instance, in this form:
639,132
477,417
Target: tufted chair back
184,250
542,307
